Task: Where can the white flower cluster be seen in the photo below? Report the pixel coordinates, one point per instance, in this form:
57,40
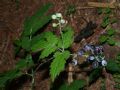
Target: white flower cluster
59,17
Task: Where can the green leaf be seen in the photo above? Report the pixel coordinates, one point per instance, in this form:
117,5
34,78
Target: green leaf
67,38
105,21
25,63
113,67
95,74
50,47
107,10
110,31
37,21
45,42
58,63
38,45
111,42
103,38
25,43
76,85
8,76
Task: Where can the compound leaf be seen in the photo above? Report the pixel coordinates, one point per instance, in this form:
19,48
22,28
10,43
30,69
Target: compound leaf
58,63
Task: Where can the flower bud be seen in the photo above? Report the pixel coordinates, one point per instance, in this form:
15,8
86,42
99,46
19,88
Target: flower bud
54,17
54,25
59,15
62,21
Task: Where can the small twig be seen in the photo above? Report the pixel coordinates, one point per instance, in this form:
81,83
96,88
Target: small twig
61,36
78,8
103,5
42,64
33,80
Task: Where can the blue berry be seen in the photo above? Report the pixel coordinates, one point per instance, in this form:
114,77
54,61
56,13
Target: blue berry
104,62
91,57
74,62
81,52
95,64
87,47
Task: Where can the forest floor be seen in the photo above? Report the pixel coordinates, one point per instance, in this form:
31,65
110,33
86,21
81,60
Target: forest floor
13,14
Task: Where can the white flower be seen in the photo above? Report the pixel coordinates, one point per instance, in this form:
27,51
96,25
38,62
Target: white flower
62,21
54,25
54,17
104,62
59,15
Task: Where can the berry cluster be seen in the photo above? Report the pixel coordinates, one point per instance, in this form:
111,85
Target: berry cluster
94,55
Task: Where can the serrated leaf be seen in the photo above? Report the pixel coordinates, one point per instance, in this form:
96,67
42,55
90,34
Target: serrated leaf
103,38
113,67
76,85
50,46
67,38
95,74
25,63
46,42
38,45
48,50
58,63
37,21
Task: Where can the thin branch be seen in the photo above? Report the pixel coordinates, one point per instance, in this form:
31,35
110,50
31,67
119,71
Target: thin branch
43,64
103,5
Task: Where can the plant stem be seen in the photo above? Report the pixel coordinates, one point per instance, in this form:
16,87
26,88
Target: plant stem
33,80
61,33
